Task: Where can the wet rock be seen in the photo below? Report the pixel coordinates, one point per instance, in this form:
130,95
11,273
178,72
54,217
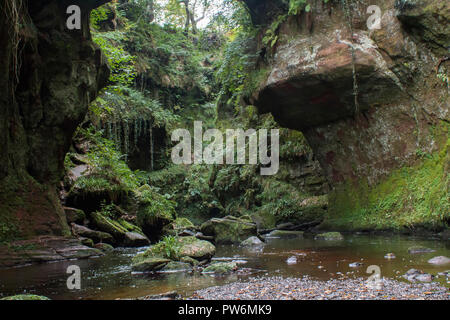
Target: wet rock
291,260
195,248
172,295
108,225
201,236
355,265
150,264
96,236
175,266
440,260
74,215
285,234
104,247
329,236
251,242
414,275
390,256
189,260
25,297
220,268
134,239
229,230
445,273
87,242
419,249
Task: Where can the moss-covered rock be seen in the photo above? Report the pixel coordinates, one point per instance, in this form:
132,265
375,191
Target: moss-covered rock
150,264
108,225
74,215
96,236
195,248
87,242
329,236
251,242
25,297
229,229
189,260
104,247
154,212
220,268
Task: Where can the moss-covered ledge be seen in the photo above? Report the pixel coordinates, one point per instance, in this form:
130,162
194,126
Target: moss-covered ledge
409,198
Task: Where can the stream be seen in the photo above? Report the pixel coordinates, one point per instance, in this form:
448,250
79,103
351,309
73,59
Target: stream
110,276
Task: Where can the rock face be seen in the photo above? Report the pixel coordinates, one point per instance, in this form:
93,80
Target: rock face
229,230
44,98
44,249
368,102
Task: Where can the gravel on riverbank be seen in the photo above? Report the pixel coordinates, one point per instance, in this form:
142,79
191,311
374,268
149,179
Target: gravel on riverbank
279,288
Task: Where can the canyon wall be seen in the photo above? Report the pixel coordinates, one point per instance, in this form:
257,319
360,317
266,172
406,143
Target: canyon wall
373,104
48,76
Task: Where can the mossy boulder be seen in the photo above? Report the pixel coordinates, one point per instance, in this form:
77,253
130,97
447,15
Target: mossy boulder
252,242
229,230
177,266
104,247
74,215
329,236
194,248
178,226
96,236
25,297
220,268
189,260
150,264
184,249
108,225
87,242
154,212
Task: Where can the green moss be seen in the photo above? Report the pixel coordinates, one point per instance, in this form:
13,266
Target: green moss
25,297
153,207
410,197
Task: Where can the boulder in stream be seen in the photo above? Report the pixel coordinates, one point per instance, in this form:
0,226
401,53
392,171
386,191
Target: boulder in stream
220,267
229,230
252,242
329,236
150,264
439,261
419,249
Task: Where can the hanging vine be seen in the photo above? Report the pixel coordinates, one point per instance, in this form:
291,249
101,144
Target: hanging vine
349,16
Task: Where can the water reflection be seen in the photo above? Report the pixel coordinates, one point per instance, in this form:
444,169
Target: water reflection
110,277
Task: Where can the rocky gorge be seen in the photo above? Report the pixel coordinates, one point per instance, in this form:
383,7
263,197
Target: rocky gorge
86,117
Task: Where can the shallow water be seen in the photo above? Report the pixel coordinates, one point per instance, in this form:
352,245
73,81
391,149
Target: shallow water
110,277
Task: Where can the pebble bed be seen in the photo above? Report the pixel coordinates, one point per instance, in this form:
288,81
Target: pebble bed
279,288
